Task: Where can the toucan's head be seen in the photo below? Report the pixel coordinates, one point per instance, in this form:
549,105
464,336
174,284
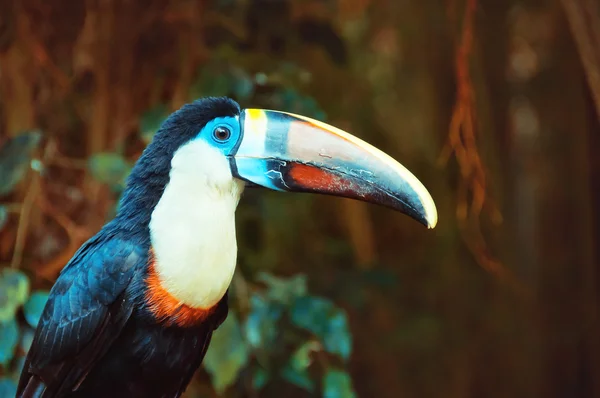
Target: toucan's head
218,142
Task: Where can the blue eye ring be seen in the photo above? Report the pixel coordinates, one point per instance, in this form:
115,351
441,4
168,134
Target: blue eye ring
221,133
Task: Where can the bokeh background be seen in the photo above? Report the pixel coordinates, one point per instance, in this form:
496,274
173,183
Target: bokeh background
493,104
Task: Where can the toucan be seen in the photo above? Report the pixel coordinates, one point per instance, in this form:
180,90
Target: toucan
132,313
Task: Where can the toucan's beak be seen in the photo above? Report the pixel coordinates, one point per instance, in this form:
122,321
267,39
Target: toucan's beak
288,152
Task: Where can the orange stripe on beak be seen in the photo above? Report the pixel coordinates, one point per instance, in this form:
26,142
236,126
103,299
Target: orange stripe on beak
313,177
323,181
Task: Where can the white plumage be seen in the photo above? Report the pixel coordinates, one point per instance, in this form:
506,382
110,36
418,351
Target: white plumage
193,226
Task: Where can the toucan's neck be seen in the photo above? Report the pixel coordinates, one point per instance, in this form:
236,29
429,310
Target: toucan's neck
193,237
192,227
145,186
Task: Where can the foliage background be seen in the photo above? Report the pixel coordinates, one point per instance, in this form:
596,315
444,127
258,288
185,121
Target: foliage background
492,104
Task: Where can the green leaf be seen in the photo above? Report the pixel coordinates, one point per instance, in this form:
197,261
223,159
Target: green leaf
37,165
8,306
9,337
8,388
26,339
301,358
34,306
261,323
14,289
3,216
227,354
16,283
298,377
15,157
260,379
337,384
109,168
151,121
283,290
328,322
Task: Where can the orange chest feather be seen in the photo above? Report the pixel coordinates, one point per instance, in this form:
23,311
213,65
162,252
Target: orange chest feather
165,307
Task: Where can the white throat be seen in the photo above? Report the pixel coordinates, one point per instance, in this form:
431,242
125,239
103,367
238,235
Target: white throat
192,228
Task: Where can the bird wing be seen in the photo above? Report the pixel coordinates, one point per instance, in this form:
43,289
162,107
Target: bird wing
85,313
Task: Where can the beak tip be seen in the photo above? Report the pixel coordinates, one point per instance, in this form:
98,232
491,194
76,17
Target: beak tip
432,223
430,211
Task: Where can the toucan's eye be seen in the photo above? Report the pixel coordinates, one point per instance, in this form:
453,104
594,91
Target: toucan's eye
221,133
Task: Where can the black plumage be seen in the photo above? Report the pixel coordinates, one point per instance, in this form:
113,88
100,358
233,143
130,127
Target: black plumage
97,336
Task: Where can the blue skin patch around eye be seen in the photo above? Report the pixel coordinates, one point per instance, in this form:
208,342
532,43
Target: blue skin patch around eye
225,146
257,171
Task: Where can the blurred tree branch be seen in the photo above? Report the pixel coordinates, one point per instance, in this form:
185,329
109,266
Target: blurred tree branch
24,219
77,235
584,20
463,144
